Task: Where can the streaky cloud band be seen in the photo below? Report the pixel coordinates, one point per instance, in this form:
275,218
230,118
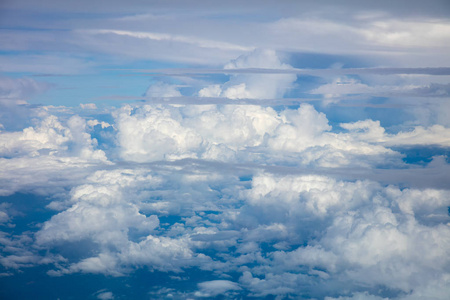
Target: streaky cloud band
422,177
434,71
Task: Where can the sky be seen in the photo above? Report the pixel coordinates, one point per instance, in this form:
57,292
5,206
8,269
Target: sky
225,149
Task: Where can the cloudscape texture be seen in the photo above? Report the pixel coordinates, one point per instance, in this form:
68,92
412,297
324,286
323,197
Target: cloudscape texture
225,150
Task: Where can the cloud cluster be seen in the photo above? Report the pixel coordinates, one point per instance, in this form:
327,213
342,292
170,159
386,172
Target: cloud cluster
285,235
218,186
206,187
184,190
49,151
253,133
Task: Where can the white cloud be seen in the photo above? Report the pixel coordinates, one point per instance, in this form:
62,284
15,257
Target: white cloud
405,39
105,296
408,33
253,86
246,132
152,133
88,106
291,234
51,137
215,287
203,43
230,191
161,89
366,239
48,155
372,131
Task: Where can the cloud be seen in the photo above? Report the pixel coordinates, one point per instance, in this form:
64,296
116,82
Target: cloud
434,71
203,43
161,89
215,287
233,191
378,32
103,295
248,133
48,153
53,138
20,88
366,234
88,106
358,296
396,36
284,234
160,136
253,86
369,130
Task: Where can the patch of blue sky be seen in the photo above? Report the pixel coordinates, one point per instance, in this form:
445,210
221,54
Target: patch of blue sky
422,155
311,60
101,88
27,212
142,283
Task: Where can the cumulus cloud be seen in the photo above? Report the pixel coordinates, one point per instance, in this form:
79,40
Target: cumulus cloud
253,86
369,130
160,135
104,295
88,106
47,152
51,137
161,89
285,235
204,187
102,212
234,192
215,287
278,232
365,233
249,133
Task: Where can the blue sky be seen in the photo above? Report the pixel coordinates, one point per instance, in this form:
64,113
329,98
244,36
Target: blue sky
224,150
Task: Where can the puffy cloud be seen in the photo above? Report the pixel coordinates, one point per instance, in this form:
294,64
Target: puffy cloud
99,210
50,137
161,89
238,200
88,106
46,153
253,86
215,287
104,295
371,131
343,86
102,212
366,239
285,235
153,133
251,133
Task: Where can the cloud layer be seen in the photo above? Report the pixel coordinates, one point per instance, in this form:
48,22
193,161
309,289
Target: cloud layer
278,234
277,150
